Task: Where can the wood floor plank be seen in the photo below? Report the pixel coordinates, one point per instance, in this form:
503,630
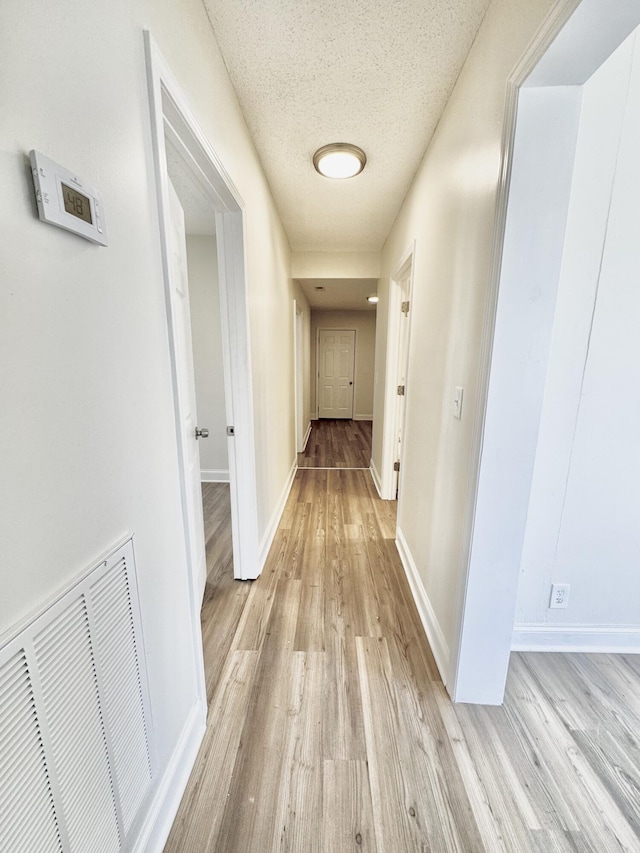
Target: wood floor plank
346,808
398,824
197,824
299,800
343,732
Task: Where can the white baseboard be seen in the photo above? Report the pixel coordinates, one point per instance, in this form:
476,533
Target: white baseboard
377,482
363,417
164,806
214,475
606,639
306,437
430,623
270,532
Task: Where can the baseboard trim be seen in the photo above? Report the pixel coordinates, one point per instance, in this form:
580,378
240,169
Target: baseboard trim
163,808
605,639
432,629
363,417
377,482
214,475
270,532
306,437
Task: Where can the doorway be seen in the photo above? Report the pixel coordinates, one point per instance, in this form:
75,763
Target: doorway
551,251
175,130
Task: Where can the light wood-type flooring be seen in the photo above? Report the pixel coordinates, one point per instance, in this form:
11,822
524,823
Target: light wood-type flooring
330,730
335,443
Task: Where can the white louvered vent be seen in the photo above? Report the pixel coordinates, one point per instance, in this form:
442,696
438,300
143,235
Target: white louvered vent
75,737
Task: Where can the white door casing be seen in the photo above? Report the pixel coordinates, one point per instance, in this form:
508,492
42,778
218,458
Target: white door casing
336,352
403,360
397,367
179,289
298,333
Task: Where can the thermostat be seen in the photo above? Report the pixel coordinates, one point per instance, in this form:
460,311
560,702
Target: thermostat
65,200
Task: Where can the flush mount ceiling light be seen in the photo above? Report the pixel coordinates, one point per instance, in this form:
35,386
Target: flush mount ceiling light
372,299
339,160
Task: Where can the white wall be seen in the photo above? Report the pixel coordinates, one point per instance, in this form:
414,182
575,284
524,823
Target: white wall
335,264
364,322
206,336
87,422
582,523
449,212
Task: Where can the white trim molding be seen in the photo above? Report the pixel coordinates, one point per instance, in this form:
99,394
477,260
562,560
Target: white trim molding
214,475
375,476
306,436
604,639
363,417
432,629
163,808
270,532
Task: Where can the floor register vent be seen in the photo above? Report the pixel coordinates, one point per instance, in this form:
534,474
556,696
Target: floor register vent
76,747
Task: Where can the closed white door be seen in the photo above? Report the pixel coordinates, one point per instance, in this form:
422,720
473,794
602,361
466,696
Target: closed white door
336,349
186,390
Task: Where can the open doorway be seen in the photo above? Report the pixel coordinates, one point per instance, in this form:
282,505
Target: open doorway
342,371
178,139
557,491
208,369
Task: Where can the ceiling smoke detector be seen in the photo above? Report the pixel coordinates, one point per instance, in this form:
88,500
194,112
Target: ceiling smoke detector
339,160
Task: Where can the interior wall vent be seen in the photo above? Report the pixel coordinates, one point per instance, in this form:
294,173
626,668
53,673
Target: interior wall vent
76,745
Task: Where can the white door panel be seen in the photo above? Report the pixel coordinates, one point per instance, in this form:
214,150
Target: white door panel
186,388
336,352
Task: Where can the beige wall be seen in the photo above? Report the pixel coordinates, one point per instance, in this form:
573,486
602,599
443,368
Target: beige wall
364,322
87,419
206,337
449,213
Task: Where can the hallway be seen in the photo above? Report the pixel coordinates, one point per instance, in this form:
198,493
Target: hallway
329,728
337,444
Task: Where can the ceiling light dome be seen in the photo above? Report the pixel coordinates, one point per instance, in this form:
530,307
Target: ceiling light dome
339,160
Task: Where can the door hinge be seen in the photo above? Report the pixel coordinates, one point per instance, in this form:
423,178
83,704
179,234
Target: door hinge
400,390
405,307
396,466
231,431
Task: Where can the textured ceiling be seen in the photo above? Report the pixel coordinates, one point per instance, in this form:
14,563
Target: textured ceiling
376,73
344,294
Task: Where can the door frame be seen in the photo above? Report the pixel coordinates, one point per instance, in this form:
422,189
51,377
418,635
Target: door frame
404,270
355,347
298,376
483,631
171,114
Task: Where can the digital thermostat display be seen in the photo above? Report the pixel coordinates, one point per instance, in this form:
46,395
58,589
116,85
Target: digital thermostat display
76,204
65,200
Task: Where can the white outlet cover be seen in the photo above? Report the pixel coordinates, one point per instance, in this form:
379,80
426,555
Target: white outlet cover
457,402
559,596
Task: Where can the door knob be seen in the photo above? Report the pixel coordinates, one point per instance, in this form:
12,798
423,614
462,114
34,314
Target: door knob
202,433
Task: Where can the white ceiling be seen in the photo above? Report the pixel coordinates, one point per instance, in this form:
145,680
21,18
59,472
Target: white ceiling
343,294
376,73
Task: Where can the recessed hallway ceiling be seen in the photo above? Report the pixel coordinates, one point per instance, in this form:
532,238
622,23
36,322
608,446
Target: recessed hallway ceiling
372,72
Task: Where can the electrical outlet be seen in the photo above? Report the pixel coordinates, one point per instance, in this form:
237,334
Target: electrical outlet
559,595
